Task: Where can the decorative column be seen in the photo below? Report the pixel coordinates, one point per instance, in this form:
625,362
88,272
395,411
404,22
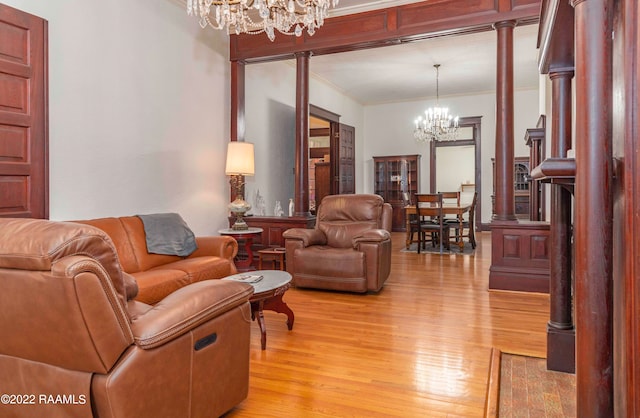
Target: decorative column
594,208
504,158
301,199
237,113
237,100
519,251
560,329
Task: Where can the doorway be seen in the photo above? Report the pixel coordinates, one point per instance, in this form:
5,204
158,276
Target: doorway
457,163
331,156
319,161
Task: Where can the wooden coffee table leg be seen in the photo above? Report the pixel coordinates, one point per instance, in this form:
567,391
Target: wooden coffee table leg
258,315
276,304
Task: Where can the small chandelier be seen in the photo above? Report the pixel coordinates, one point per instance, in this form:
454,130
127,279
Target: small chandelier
438,124
289,17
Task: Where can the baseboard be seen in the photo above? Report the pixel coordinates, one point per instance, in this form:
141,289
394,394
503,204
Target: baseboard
501,278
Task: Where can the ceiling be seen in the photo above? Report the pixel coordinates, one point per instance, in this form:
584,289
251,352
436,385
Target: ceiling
405,72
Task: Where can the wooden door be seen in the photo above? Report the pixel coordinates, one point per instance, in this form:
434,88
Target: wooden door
343,159
323,181
24,178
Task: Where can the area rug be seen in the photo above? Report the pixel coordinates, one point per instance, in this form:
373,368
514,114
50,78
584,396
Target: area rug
455,249
528,389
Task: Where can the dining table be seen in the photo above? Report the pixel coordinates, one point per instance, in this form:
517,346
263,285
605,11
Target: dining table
447,209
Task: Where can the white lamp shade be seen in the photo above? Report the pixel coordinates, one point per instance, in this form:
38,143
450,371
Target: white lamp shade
240,159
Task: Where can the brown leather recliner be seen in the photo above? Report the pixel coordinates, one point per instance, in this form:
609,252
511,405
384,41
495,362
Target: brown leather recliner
74,342
348,250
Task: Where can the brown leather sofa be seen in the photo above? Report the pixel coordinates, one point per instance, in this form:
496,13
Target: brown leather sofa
159,275
74,343
349,249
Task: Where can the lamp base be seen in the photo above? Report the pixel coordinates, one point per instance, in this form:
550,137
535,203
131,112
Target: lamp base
239,207
239,224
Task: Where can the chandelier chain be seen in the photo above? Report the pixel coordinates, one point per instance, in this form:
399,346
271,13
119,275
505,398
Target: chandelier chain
437,83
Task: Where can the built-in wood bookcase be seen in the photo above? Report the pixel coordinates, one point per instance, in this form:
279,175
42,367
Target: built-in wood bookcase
521,185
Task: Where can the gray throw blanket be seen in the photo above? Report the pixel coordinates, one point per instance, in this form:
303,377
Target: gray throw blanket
168,233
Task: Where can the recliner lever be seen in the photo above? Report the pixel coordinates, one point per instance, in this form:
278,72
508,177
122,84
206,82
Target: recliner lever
203,342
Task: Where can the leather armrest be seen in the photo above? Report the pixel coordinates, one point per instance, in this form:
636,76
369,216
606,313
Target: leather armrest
130,286
371,236
221,246
307,236
186,309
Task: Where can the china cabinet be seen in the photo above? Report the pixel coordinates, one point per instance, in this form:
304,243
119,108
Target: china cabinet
521,187
396,179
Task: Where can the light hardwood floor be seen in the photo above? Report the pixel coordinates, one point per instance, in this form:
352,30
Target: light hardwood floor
419,348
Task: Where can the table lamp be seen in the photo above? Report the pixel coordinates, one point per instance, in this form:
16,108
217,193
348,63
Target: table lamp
240,162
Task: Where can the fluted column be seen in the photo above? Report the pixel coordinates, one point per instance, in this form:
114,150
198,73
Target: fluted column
504,157
301,200
594,208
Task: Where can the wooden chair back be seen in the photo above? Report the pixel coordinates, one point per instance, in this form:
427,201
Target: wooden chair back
429,205
451,197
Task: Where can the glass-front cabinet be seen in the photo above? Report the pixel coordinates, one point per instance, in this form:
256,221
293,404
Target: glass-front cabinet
397,179
521,187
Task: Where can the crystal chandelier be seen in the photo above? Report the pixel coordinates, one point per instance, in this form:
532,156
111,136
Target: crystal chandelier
437,124
289,17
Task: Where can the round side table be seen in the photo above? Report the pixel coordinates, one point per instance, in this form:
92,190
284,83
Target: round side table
244,258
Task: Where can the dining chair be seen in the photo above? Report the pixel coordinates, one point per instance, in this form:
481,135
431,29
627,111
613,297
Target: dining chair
429,220
450,198
468,225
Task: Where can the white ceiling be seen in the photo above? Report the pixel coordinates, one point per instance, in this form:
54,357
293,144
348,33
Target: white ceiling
405,72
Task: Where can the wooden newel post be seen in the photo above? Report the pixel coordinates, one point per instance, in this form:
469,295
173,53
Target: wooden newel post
560,329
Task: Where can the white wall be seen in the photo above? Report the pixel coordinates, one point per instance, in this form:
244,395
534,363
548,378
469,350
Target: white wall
389,131
139,110
139,105
455,166
270,125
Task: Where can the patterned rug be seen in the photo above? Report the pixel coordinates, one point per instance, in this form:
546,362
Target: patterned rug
455,249
528,389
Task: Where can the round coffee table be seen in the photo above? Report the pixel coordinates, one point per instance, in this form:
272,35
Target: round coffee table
267,294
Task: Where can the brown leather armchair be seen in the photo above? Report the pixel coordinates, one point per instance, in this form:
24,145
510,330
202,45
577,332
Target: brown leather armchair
349,249
74,342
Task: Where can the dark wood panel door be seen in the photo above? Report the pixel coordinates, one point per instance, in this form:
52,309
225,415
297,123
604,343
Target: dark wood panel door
344,146
323,182
24,185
